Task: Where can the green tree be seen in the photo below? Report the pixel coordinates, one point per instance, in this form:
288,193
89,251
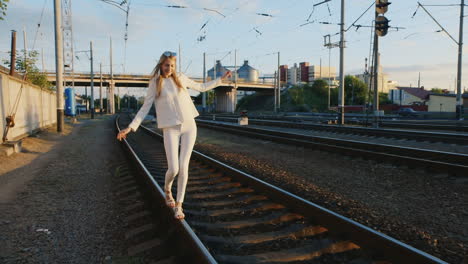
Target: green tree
320,88
210,95
3,8
355,91
437,90
383,99
127,101
297,95
334,96
29,65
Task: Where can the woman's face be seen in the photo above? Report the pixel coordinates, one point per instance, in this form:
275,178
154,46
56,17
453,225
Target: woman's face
168,67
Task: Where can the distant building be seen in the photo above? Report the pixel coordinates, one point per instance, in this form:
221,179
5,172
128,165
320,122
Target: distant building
305,73
409,95
220,70
247,72
445,102
284,73
384,85
317,72
292,75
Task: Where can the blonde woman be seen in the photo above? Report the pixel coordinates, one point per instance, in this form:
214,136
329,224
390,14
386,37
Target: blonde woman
175,115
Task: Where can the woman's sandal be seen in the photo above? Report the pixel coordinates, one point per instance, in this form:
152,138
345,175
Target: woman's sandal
169,200
178,214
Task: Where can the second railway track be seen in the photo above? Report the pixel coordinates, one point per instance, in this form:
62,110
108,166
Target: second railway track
453,163
241,219
445,137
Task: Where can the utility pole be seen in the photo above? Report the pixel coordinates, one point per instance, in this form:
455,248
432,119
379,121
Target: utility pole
320,68
92,80
111,84
342,46
235,80
214,70
459,107
329,45
381,29
43,65
128,100
100,88
375,103
86,97
180,60
13,53
204,80
67,31
275,91
329,75
459,104
419,80
59,64
279,82
25,53
214,77
107,99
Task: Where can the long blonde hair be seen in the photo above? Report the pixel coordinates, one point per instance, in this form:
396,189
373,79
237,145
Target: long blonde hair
157,71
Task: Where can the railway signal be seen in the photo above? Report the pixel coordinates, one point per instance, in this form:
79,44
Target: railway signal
381,6
381,26
381,29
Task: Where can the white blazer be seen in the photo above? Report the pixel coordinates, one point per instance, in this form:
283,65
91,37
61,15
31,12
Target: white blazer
173,107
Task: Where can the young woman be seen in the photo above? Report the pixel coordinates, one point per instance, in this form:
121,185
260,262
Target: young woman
175,115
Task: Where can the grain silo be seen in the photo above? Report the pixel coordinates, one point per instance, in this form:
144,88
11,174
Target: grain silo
247,73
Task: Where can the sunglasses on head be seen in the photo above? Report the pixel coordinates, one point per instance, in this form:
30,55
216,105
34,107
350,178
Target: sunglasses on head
169,54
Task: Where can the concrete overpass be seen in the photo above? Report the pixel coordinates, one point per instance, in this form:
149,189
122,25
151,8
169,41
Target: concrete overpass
140,80
225,94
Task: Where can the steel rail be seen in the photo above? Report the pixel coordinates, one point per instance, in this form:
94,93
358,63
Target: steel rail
438,160
196,251
380,244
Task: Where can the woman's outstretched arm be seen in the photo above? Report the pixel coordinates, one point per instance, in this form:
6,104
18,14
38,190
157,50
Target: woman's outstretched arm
149,99
201,87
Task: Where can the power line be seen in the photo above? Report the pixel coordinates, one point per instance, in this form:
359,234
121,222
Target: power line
437,22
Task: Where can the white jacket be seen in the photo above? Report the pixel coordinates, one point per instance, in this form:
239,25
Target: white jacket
173,107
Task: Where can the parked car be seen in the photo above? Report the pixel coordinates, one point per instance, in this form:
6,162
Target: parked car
407,112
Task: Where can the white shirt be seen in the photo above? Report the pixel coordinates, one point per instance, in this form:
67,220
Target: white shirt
173,106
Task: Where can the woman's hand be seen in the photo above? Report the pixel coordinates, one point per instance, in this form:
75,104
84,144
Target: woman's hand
227,74
123,133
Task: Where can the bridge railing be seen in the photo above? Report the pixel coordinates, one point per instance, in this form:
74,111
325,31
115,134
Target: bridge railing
146,77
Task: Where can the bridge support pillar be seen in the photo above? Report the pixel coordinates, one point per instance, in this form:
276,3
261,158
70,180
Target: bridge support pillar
111,97
226,99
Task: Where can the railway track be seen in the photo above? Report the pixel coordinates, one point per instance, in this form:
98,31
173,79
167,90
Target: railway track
147,238
174,241
445,137
425,126
241,219
453,163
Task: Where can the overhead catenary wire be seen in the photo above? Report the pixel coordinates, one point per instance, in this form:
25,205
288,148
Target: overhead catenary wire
437,22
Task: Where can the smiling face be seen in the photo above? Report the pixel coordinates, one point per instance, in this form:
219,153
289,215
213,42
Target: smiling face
168,67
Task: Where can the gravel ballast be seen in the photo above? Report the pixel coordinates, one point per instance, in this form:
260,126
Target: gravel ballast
58,205
425,210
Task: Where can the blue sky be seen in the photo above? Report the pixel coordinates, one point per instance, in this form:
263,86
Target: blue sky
154,28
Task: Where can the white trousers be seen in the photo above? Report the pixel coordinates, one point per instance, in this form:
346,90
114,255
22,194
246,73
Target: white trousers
185,133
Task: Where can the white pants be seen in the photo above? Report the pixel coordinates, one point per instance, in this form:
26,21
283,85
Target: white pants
186,134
